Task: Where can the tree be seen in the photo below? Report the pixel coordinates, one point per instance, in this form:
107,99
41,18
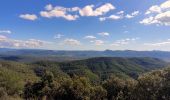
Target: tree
40,89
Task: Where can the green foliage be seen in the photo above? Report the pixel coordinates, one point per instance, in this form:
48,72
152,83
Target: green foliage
119,89
39,89
13,76
101,68
91,79
155,85
77,88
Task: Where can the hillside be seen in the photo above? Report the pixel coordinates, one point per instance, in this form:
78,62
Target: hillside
103,67
84,79
13,76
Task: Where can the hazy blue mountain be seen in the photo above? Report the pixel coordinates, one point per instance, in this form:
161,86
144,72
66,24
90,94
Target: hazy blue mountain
54,54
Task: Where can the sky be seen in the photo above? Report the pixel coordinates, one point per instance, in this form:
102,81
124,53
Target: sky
85,24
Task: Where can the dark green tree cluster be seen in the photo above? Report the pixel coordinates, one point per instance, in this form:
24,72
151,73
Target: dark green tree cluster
77,88
151,86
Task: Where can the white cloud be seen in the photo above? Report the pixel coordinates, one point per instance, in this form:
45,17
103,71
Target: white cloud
87,11
72,42
31,17
74,12
158,15
133,14
90,37
2,37
102,18
163,43
58,36
97,42
159,19
165,5
59,12
148,21
5,32
49,7
154,9
129,16
120,15
112,17
90,11
163,18
120,12
75,9
124,41
30,43
104,34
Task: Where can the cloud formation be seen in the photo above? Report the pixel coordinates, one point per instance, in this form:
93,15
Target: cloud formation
58,36
31,17
158,14
120,15
90,37
90,11
103,34
5,32
112,17
75,12
58,12
124,41
133,14
72,42
97,42
154,9
30,43
163,43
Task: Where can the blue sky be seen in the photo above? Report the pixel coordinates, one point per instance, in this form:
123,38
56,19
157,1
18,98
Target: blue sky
85,24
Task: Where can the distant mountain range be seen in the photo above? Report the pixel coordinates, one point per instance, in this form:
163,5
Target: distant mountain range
15,54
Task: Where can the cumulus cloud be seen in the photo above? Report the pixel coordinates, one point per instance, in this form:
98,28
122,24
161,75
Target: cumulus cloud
112,17
5,32
59,12
90,37
30,43
75,12
165,5
103,34
158,14
72,42
120,12
149,20
124,41
31,17
90,11
58,36
154,9
119,15
133,14
49,7
2,37
97,42
159,19
163,43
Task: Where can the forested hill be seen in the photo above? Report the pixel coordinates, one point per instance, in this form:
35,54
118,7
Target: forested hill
108,76
103,67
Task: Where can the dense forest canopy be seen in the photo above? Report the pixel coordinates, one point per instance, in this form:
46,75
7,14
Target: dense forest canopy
90,79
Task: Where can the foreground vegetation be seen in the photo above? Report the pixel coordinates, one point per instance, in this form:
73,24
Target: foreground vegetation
53,81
